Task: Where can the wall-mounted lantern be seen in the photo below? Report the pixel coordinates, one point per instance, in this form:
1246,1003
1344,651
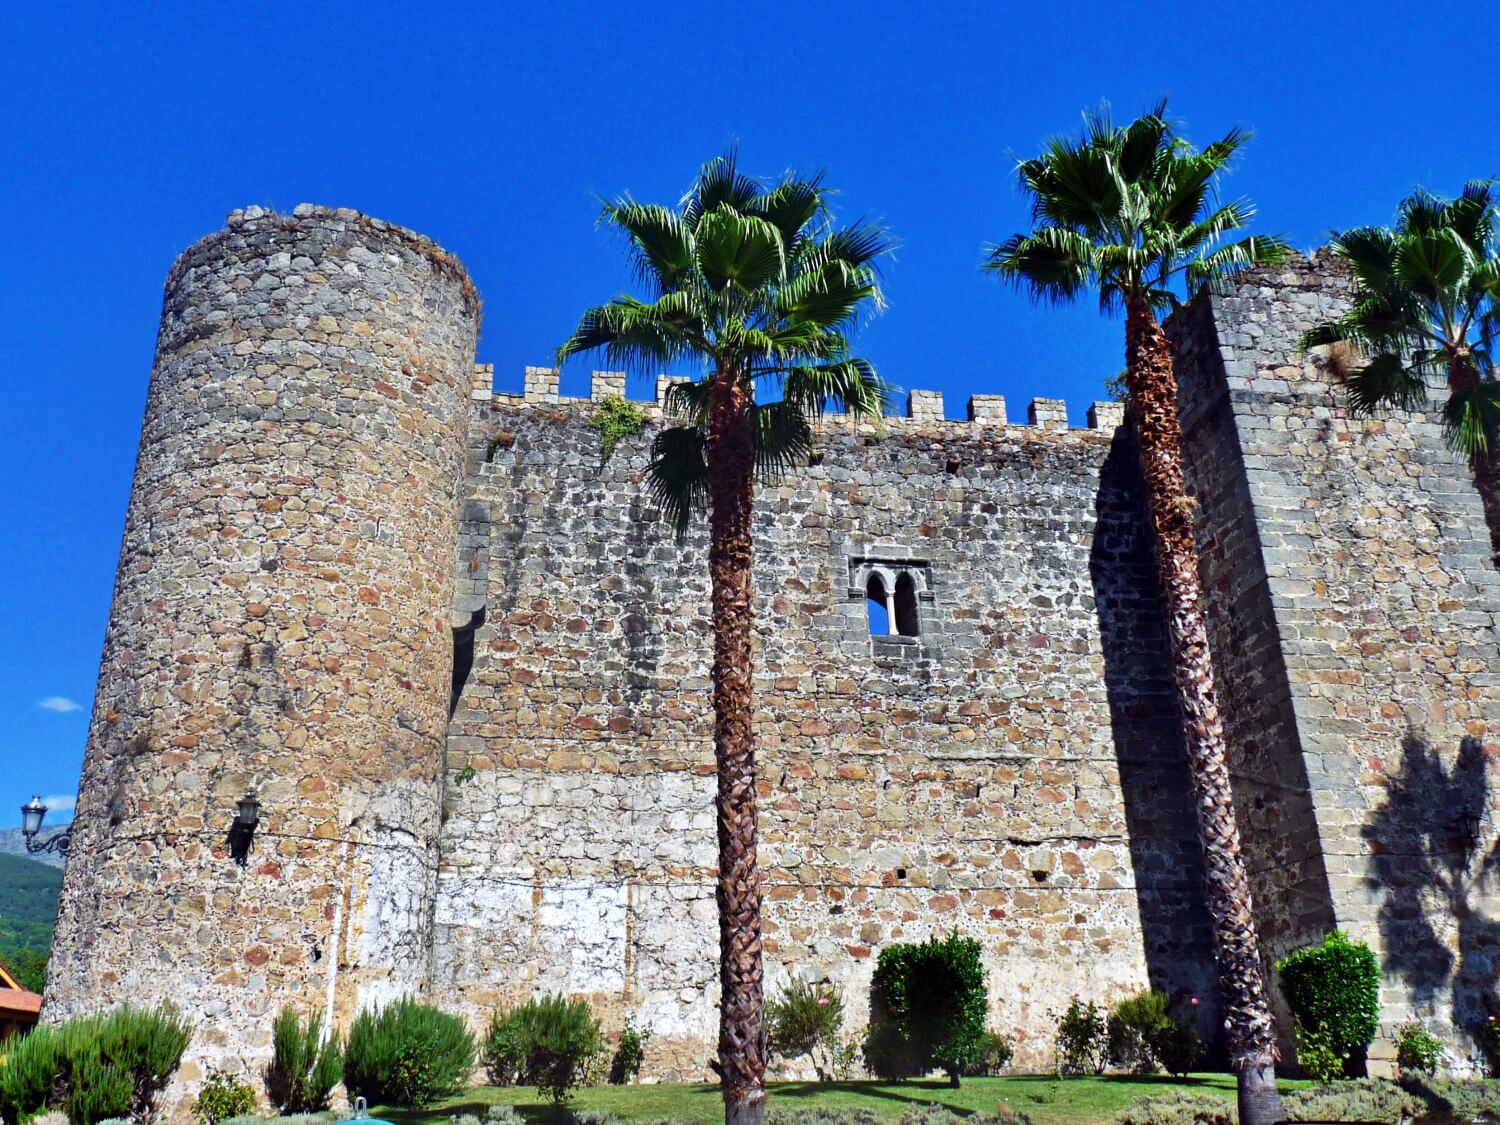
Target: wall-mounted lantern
242,831
32,815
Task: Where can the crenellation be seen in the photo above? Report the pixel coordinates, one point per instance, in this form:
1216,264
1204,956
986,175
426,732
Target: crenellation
988,410
1048,413
925,406
1106,415
606,384
542,384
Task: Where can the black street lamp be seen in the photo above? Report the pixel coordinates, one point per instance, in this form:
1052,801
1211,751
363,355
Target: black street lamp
32,814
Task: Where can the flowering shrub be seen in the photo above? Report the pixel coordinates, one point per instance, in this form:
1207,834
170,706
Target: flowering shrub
806,1020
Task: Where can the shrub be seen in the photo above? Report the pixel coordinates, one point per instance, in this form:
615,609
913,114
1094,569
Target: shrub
29,1073
616,418
223,1096
781,1114
1131,1026
549,1043
886,1052
805,1020
505,1049
1359,1099
1462,1100
407,1054
303,1070
1334,991
1418,1051
1178,1109
1321,1062
1176,1047
629,1054
94,1067
934,996
995,1052
938,1115
1082,1040
502,1115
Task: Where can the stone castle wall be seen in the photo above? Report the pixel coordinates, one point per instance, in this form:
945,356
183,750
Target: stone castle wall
281,623
1015,771
333,511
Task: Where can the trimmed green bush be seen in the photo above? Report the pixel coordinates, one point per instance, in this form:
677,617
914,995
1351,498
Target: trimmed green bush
304,1067
1460,1099
806,1020
928,1007
407,1054
1082,1040
1418,1051
1334,991
223,1096
1176,1046
550,1043
101,1066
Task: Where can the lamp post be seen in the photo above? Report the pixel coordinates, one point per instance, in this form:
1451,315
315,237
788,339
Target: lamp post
32,814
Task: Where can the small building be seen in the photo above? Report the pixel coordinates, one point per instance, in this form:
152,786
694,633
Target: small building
19,1007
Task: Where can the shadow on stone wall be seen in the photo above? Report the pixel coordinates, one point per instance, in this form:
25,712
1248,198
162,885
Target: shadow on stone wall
1148,739
1432,870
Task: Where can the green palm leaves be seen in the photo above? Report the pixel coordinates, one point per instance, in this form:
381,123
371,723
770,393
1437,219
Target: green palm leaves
1426,310
1129,211
748,280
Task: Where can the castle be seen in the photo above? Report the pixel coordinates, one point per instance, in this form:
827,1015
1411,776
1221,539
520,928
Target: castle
464,670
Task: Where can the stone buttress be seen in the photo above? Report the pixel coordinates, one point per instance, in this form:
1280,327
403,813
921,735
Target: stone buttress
1355,620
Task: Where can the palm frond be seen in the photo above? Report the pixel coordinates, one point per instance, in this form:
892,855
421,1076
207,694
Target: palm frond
1471,419
1371,254
1385,383
1258,250
687,401
630,333
852,383
783,438
739,250
791,206
720,183
661,245
1050,263
1433,263
678,474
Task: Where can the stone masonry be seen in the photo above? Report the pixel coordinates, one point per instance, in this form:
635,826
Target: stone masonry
465,668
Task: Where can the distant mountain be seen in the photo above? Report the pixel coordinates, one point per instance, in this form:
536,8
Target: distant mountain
28,908
13,843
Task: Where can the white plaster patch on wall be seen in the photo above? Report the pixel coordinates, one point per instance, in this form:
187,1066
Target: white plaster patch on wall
394,934
583,934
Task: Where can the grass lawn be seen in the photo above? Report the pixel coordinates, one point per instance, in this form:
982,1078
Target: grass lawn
1078,1101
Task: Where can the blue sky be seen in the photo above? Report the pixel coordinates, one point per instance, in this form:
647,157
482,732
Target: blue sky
129,131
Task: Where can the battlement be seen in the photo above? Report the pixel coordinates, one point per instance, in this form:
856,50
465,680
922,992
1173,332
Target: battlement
923,408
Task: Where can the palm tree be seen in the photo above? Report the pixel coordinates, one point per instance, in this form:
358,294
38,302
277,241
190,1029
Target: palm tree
754,285
1427,310
1128,212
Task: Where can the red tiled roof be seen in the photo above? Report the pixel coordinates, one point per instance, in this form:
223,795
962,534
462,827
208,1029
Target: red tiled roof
17,1001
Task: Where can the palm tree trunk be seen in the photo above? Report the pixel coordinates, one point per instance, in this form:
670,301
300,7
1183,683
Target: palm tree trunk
742,1028
1247,1016
1485,468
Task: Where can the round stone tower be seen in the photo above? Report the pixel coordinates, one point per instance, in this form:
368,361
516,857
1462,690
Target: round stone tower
281,625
